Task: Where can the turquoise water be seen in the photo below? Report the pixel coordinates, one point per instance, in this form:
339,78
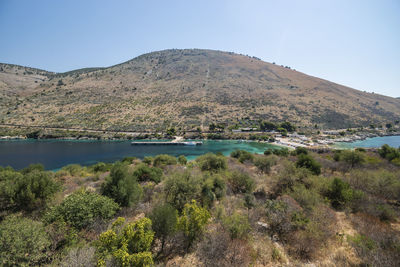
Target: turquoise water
54,154
393,141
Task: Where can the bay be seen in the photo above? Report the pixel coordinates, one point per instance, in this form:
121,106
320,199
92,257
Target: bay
393,141
54,154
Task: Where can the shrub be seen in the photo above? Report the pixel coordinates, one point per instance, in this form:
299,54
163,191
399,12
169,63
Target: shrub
280,213
213,188
182,160
163,160
283,152
101,167
241,182
122,186
300,150
308,162
352,158
27,191
145,173
82,208
340,193
307,198
148,160
74,170
128,245
264,164
211,162
389,153
237,225
164,218
242,155
32,167
128,160
193,221
180,188
23,242
289,175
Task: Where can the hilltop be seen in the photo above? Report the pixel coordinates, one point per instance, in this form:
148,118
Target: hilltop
186,89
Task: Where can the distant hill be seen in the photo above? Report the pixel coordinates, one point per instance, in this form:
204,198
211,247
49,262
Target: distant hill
184,88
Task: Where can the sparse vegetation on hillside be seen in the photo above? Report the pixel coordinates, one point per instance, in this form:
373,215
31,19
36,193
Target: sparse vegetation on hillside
220,90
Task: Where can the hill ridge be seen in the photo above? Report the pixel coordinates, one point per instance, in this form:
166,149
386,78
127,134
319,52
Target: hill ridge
186,88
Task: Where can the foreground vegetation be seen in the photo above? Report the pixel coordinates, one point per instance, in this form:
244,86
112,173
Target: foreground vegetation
282,208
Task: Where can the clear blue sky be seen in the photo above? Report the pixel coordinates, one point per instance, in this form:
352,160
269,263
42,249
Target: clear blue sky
351,42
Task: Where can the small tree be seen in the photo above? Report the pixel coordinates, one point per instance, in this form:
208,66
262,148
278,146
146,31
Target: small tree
242,155
193,221
83,208
145,173
180,188
241,182
163,160
340,193
164,218
211,162
128,245
122,186
308,162
237,225
265,163
182,160
352,158
23,242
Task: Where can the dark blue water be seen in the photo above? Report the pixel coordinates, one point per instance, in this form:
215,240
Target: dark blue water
55,154
393,141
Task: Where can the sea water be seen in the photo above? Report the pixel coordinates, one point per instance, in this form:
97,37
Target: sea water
393,141
54,154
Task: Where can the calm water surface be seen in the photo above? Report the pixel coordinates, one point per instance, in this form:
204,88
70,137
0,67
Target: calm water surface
54,154
393,141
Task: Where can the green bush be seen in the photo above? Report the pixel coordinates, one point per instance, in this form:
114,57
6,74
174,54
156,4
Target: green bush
145,173
128,245
352,158
27,191
242,155
23,242
165,219
241,182
389,153
182,160
283,152
308,162
193,221
340,194
148,160
237,225
265,163
300,150
163,160
181,187
122,186
211,162
128,160
74,169
213,188
307,198
101,167
82,208
33,167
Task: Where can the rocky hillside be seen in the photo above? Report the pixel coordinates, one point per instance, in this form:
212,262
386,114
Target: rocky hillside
184,88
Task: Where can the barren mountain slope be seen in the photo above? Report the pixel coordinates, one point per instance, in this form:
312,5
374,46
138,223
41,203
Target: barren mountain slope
184,88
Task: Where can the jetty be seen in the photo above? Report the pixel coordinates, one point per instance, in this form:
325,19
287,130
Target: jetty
178,141
168,143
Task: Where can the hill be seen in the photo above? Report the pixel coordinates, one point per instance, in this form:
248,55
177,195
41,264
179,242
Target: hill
184,88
